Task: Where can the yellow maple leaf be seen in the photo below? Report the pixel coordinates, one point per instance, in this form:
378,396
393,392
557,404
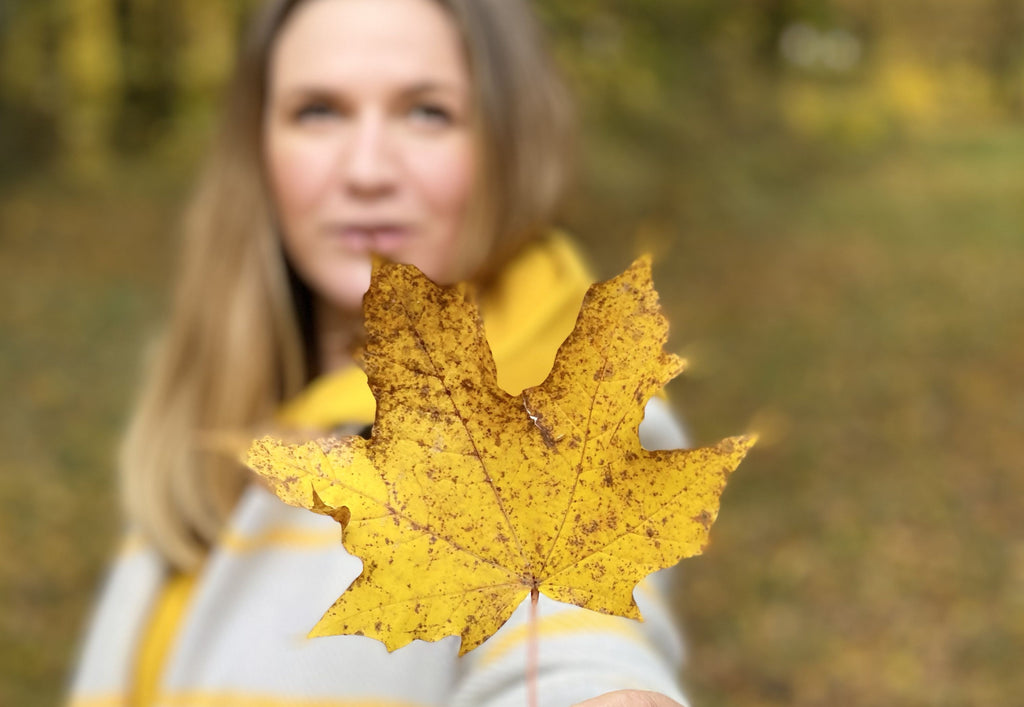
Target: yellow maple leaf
467,499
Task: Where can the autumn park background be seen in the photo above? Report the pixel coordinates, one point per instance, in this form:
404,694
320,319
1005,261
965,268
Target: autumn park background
834,193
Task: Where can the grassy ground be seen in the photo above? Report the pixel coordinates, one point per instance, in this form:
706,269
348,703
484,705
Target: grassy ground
866,316
80,278
870,322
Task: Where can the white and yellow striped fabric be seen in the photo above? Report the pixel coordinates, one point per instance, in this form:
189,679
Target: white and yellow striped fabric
241,633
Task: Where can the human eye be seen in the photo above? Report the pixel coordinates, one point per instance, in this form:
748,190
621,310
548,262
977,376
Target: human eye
431,114
314,110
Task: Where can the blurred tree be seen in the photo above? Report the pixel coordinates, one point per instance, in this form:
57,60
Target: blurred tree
150,33
775,16
1007,54
204,60
28,95
92,78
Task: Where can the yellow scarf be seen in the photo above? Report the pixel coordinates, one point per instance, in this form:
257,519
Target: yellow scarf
527,314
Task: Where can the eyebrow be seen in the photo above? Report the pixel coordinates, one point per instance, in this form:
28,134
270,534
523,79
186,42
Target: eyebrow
326,92
431,87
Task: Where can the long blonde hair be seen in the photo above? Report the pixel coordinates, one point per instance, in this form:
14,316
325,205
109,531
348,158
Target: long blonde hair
238,341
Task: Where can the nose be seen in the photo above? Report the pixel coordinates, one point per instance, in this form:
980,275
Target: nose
369,167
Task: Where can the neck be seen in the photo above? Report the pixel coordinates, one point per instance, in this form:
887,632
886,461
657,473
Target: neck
338,333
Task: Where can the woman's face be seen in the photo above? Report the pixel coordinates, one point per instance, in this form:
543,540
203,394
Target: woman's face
370,144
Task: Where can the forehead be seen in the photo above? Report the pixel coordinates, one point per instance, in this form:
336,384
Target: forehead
367,42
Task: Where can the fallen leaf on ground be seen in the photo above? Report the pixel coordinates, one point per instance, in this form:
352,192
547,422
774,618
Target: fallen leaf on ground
466,499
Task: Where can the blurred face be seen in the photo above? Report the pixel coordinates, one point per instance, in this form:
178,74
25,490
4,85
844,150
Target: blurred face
369,144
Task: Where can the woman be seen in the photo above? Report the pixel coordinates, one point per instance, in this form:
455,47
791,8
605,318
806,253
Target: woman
426,131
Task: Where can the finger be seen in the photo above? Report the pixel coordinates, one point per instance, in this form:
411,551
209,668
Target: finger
629,698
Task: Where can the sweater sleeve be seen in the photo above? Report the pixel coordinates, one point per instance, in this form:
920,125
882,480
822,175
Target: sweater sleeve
582,654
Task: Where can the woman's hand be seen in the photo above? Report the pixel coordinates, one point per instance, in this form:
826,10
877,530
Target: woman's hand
629,698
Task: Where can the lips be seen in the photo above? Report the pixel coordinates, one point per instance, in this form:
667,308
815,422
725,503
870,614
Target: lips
380,238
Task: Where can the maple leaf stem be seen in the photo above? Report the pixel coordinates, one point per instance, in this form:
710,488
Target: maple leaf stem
532,641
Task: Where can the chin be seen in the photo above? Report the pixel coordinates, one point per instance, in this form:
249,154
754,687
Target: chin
350,302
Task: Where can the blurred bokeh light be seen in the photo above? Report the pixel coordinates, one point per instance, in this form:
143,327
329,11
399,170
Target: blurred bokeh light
834,193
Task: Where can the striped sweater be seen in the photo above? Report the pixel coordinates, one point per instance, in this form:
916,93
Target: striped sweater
243,639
